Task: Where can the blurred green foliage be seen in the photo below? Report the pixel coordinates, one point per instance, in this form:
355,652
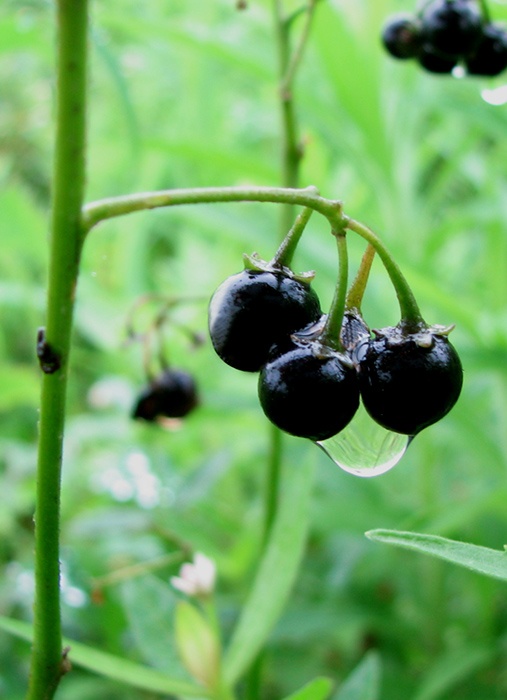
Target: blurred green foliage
181,95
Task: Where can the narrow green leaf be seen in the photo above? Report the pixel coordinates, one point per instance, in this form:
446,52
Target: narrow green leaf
276,573
318,689
483,560
364,681
450,669
198,645
111,666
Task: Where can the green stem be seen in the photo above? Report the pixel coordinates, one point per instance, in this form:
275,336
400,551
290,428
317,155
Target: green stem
410,314
47,664
285,253
297,56
331,333
291,152
104,209
358,286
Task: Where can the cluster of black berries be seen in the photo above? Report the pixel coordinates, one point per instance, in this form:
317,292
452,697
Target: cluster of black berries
270,321
447,33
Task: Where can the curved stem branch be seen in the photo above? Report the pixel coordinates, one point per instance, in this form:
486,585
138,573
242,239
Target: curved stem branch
104,209
47,663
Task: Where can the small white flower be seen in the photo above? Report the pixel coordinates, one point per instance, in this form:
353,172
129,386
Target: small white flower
198,578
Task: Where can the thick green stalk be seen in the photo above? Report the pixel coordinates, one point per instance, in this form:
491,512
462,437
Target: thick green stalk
47,663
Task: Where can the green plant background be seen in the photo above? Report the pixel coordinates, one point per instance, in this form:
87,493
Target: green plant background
182,95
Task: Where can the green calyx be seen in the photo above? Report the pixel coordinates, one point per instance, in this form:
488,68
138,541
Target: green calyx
255,263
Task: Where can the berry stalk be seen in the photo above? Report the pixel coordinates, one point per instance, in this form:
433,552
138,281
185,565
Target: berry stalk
285,253
410,313
357,288
47,662
331,333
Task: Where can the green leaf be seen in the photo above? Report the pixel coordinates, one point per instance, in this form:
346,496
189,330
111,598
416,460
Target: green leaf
364,681
111,666
276,573
450,669
483,560
198,645
318,689
149,606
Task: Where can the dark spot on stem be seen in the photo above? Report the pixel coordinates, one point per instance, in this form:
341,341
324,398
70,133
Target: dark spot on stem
49,359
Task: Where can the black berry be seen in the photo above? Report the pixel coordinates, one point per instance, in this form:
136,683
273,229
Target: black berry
308,390
490,56
435,63
251,311
172,394
409,381
451,27
401,36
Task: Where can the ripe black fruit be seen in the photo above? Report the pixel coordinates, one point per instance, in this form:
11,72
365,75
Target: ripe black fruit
308,390
253,310
490,57
401,36
409,381
172,394
451,27
435,63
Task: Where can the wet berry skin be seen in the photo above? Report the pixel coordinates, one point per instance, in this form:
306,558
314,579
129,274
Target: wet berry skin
172,394
490,57
409,382
401,36
251,311
451,27
308,392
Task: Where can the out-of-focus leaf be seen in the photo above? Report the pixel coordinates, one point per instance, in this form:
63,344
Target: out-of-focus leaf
450,669
111,666
364,681
483,560
276,573
149,605
198,644
318,689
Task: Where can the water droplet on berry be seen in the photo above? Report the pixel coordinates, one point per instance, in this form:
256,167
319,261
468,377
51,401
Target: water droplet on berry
365,448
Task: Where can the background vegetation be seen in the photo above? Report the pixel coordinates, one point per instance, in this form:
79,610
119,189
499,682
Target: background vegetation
184,94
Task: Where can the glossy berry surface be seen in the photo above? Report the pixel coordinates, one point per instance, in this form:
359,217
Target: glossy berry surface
173,394
409,382
251,311
308,391
452,27
490,57
401,36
